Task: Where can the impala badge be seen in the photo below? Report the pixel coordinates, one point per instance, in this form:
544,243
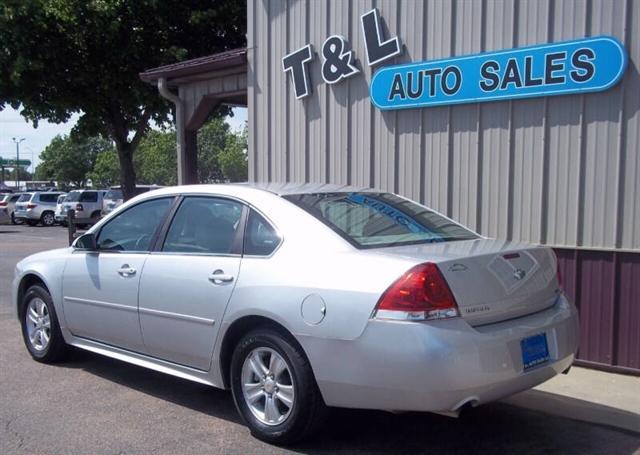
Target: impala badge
519,274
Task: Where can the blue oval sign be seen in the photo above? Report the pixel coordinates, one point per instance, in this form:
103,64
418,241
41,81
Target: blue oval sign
580,66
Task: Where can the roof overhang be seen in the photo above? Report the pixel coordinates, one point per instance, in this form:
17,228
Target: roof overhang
228,62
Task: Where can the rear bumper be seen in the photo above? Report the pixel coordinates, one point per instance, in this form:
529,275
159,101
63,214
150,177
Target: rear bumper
442,365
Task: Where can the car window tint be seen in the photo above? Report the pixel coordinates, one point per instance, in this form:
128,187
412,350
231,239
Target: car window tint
89,196
204,225
48,197
373,220
133,229
260,238
25,197
15,198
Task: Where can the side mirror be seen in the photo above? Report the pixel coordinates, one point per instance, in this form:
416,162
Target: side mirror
86,242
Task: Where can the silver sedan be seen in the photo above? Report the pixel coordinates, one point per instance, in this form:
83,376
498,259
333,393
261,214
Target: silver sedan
303,297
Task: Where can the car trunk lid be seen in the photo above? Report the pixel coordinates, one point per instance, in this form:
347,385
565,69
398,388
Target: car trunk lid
491,280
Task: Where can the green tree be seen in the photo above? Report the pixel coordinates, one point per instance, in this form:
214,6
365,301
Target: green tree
106,171
69,159
233,159
212,139
156,158
64,56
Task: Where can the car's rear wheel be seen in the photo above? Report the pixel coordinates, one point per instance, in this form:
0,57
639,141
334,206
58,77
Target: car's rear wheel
14,220
48,219
274,388
40,327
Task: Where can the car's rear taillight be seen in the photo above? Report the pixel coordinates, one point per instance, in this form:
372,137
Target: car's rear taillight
420,294
79,207
31,205
3,204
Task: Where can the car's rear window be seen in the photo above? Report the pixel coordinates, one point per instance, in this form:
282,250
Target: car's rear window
25,197
374,220
113,194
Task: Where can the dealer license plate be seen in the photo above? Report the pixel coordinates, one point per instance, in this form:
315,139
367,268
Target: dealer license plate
535,351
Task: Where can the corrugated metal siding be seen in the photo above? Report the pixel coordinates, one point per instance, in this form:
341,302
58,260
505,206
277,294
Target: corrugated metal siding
606,288
561,170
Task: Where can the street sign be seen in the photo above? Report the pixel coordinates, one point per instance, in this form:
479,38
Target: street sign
12,163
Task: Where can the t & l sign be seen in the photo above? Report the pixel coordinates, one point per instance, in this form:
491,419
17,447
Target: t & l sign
578,66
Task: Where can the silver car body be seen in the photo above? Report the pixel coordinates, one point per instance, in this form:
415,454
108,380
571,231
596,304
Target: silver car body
60,217
32,206
86,203
171,317
8,203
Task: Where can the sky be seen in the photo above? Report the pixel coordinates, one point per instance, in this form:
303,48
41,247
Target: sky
36,139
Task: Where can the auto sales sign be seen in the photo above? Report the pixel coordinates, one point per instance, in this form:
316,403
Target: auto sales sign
579,66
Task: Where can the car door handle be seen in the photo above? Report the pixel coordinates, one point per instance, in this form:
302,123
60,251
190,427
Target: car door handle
126,271
219,277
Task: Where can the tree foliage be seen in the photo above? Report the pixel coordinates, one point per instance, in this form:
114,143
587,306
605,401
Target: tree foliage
68,159
63,56
222,156
233,159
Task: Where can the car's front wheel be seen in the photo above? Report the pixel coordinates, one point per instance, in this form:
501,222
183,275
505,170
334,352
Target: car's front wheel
274,388
40,328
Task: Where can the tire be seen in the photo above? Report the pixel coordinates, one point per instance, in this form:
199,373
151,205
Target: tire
13,219
48,219
36,305
286,423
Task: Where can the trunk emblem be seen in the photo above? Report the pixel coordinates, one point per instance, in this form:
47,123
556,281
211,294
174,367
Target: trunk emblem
519,274
458,268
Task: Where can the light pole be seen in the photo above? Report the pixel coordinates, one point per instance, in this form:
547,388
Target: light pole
17,141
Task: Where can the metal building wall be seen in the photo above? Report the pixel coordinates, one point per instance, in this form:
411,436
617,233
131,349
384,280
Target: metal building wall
561,170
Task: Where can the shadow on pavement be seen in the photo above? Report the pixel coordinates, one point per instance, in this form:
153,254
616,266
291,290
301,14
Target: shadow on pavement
493,428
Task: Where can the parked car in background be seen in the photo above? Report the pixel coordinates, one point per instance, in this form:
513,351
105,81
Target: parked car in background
60,217
301,297
4,216
8,202
37,207
87,205
114,198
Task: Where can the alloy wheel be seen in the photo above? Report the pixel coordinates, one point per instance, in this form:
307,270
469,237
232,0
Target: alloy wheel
38,324
48,219
267,386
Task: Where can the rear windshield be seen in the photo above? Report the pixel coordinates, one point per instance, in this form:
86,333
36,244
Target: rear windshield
374,220
113,194
25,197
61,198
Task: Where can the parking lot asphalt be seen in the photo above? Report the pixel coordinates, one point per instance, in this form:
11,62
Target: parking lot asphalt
92,404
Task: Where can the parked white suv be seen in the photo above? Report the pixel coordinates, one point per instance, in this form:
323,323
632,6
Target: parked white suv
37,207
86,203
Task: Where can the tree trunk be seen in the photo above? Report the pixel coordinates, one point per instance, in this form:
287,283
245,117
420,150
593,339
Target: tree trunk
127,172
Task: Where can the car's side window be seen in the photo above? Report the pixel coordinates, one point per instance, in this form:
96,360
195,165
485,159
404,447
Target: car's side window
133,229
49,197
260,238
205,225
89,196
